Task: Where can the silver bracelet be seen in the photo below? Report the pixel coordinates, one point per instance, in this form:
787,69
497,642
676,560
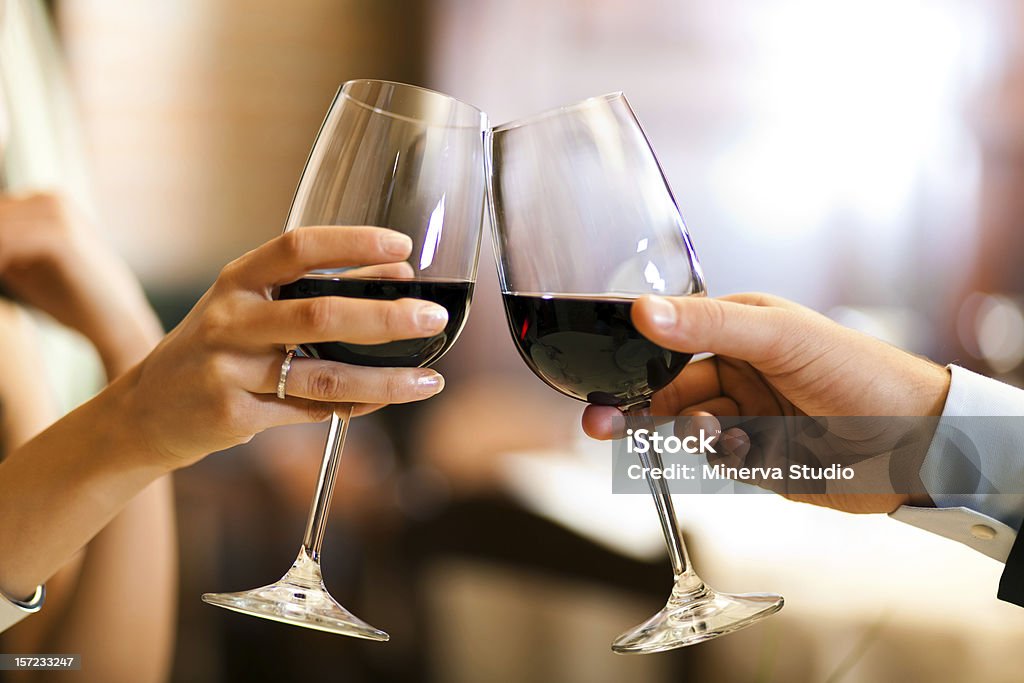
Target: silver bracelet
33,604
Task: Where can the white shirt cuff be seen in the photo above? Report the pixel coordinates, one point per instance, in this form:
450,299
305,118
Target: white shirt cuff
975,459
969,462
982,533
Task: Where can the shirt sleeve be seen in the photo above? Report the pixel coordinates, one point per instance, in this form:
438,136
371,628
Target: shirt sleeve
974,469
12,611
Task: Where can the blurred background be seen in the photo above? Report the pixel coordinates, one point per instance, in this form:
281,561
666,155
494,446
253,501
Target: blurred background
865,158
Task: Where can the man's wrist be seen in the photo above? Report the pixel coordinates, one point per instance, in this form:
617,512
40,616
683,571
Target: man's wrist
936,390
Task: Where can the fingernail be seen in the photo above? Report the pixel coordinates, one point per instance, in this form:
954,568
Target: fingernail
430,384
396,243
432,317
661,312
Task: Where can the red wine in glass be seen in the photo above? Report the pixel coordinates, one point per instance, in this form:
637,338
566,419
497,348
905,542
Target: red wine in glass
587,347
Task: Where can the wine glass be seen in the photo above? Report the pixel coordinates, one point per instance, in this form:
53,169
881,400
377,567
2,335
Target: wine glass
409,159
584,223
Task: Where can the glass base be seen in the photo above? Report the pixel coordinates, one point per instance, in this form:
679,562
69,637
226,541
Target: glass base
301,599
696,613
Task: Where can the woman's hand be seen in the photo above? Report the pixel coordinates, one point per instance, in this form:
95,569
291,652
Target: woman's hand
51,259
212,382
777,358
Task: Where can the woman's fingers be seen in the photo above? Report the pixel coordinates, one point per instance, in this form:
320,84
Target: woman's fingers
288,257
330,382
338,318
275,412
374,252
361,409
399,270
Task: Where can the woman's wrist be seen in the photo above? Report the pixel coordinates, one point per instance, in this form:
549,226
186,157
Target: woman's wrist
129,422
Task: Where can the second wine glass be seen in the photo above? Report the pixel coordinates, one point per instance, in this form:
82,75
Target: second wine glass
584,223
409,159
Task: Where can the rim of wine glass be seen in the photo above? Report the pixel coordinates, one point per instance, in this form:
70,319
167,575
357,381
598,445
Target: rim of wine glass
558,111
411,119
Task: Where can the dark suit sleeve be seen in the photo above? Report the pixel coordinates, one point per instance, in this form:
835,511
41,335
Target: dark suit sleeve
1011,583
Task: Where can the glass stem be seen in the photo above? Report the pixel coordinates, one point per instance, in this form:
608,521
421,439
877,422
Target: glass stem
639,417
321,506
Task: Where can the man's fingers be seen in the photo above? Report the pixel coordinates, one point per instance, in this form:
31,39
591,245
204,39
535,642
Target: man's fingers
288,257
735,443
722,406
603,422
756,334
329,382
762,299
698,382
696,388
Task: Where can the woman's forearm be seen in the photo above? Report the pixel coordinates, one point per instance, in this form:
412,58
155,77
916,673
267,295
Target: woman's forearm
125,597
116,603
62,487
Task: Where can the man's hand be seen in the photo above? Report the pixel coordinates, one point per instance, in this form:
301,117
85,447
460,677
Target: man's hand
774,357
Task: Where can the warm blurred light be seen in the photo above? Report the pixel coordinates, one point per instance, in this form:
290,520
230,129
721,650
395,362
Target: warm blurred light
991,327
850,110
896,325
820,151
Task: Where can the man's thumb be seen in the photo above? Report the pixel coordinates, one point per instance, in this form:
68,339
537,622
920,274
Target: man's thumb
695,324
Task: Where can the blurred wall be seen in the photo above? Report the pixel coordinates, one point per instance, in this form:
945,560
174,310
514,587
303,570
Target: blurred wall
819,150
200,114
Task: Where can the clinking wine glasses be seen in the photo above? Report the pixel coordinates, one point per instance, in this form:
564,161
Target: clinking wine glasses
584,222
